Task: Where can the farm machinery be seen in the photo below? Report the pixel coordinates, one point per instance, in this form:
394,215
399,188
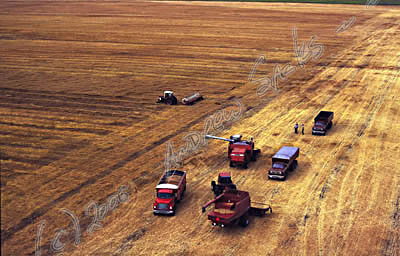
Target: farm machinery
192,99
234,207
224,183
168,98
322,123
283,162
240,152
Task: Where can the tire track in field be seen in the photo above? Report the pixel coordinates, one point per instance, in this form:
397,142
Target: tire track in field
376,105
69,111
54,128
7,234
335,170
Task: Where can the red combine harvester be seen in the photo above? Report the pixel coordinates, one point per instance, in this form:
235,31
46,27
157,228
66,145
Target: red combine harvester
224,183
240,152
170,191
234,207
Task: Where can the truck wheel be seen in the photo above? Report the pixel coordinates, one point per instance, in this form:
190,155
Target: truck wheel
294,165
174,101
245,164
330,125
244,221
173,211
230,164
284,177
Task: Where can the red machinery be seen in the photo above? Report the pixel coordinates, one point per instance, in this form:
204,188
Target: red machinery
239,151
224,183
234,207
170,190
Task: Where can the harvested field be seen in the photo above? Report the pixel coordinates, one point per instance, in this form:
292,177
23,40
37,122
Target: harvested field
78,123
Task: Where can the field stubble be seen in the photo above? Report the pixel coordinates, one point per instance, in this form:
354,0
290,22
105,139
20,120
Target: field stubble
78,120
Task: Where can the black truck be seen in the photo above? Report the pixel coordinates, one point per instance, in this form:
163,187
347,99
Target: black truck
322,123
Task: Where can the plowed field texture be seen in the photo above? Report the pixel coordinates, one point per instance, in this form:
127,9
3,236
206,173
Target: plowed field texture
83,142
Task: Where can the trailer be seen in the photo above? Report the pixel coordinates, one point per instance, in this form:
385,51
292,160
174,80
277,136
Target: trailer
234,207
240,152
170,190
322,123
192,99
283,162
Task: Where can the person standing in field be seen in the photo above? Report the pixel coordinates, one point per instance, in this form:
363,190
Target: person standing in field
296,126
302,129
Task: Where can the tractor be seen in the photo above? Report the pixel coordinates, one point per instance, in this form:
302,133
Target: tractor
240,152
224,183
168,98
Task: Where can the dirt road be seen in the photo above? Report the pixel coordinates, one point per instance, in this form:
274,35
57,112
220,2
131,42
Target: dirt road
79,80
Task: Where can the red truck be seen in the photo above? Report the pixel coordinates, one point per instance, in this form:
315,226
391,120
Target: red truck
224,183
234,207
170,190
283,162
322,123
240,152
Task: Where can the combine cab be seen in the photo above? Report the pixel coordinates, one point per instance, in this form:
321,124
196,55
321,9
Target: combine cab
224,184
240,152
168,98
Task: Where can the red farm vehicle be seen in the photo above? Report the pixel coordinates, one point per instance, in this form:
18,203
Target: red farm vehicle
224,183
240,152
283,162
234,207
170,190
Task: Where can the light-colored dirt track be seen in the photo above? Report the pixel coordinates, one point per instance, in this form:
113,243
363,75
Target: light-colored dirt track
78,120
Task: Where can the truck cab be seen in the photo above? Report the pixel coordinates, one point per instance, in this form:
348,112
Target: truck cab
165,201
169,191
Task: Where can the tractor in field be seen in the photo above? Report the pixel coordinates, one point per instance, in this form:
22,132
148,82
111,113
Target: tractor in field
224,184
168,98
240,152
